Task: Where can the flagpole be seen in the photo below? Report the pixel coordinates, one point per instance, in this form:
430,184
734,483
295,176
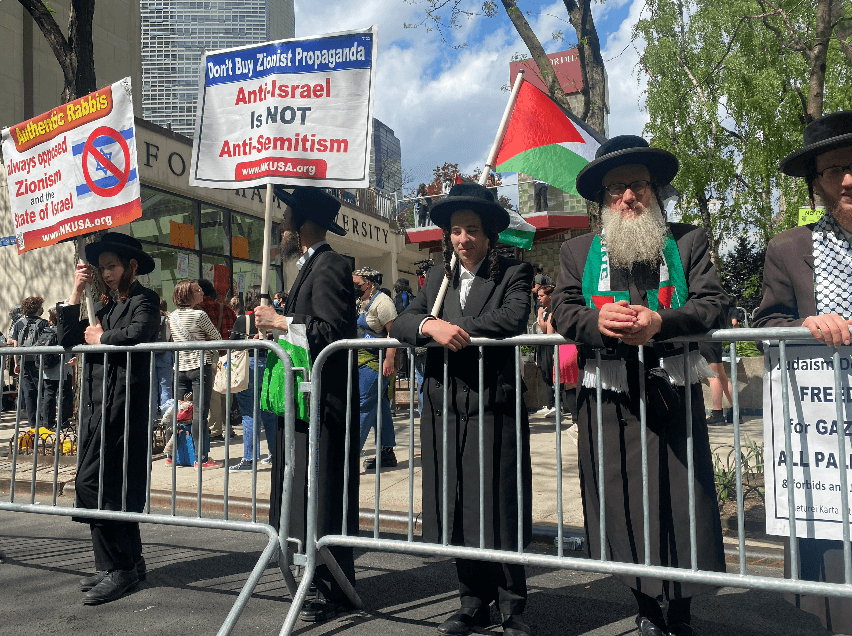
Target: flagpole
483,179
267,241
90,305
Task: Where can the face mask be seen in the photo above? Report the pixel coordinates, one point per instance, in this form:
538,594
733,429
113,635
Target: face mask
276,303
357,290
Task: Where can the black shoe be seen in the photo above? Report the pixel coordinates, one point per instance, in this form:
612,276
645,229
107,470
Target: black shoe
89,582
217,438
388,458
716,419
463,621
112,587
647,628
680,629
514,625
320,611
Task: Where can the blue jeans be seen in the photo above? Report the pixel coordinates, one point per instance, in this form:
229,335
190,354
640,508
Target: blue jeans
246,401
164,368
368,386
419,363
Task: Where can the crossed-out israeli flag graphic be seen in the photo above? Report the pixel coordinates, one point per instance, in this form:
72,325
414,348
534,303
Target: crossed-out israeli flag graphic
101,175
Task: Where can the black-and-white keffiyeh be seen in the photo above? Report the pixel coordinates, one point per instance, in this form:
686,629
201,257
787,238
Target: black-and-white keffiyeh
832,268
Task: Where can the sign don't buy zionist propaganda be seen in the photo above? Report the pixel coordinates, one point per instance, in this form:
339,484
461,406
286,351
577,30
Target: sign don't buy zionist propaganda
814,429
296,112
72,171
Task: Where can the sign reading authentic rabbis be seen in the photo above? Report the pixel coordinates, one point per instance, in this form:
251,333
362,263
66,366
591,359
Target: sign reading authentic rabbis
72,171
814,426
296,112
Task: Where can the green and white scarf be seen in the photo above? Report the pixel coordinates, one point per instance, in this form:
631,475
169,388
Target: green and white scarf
672,293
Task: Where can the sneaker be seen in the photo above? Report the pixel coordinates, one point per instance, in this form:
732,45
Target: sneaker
209,463
244,466
267,460
388,460
716,419
546,411
168,461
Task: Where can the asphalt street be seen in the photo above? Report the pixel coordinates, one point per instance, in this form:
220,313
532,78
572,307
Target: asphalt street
195,576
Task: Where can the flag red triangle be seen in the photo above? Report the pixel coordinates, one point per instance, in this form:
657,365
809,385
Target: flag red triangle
536,121
459,180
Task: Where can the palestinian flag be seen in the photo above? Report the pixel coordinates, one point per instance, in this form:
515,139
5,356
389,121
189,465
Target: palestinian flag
545,142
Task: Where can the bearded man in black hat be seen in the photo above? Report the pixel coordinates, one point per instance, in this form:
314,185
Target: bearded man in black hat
806,282
640,278
489,297
321,298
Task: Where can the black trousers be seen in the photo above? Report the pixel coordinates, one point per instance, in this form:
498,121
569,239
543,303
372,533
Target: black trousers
29,388
117,544
481,582
190,381
327,587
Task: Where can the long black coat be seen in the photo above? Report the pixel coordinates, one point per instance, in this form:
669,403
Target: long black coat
131,322
788,298
494,309
666,434
321,298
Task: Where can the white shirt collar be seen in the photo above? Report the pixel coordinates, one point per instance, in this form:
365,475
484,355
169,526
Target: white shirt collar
464,272
304,257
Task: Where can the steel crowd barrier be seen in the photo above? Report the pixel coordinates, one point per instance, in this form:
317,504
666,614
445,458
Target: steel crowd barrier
319,548
277,540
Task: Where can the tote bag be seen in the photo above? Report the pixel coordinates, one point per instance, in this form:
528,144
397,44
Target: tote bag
273,397
239,371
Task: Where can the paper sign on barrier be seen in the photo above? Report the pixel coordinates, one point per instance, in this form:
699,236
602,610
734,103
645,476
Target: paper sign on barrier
72,171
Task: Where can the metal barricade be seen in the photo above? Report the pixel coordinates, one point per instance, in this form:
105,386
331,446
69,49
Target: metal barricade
600,563
206,516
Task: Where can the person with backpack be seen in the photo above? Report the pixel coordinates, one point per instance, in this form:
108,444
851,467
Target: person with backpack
27,331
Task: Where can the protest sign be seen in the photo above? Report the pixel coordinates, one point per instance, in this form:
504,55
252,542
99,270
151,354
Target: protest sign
814,427
294,112
72,171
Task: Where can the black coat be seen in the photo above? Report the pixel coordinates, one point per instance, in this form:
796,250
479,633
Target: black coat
321,298
131,322
494,309
666,432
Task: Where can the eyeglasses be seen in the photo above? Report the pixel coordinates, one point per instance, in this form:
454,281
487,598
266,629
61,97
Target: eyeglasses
618,189
835,173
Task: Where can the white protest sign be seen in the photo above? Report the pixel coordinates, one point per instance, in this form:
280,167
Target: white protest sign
72,171
813,425
295,112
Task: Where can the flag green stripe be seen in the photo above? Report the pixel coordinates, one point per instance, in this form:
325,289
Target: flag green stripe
553,164
518,238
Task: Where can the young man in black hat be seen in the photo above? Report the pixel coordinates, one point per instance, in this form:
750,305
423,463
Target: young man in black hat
637,278
806,283
321,298
488,296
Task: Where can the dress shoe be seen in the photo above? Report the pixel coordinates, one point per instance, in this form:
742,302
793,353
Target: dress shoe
463,621
647,628
680,629
89,582
320,611
111,587
514,625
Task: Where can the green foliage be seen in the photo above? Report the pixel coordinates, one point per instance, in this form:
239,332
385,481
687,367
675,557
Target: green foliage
741,271
728,95
725,471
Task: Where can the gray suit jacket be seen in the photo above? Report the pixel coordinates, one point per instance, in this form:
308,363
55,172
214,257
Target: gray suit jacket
788,280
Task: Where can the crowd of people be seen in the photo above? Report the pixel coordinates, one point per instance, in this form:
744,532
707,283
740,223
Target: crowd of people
632,284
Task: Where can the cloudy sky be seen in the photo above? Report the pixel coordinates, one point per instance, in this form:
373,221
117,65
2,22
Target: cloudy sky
444,104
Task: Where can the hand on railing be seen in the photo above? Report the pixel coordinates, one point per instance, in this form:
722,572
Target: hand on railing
831,329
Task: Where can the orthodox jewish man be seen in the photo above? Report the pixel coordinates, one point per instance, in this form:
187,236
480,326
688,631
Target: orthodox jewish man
321,298
488,297
807,281
640,278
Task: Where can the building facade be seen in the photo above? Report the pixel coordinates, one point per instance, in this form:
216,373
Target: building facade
175,33
385,160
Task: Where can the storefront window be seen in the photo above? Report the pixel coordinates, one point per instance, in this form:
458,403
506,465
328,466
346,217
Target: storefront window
159,209
250,229
171,266
214,238
217,269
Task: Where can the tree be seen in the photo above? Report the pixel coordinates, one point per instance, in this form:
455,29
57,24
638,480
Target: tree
448,174
730,88
741,272
447,14
75,53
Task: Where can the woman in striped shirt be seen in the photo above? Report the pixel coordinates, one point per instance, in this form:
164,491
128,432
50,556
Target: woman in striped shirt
188,324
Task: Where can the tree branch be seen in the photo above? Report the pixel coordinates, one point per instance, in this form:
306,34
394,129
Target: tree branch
58,44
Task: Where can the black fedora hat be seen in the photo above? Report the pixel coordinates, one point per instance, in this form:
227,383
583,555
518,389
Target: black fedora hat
125,246
820,136
313,204
621,151
470,196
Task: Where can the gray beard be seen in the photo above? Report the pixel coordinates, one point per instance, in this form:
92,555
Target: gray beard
634,240
290,247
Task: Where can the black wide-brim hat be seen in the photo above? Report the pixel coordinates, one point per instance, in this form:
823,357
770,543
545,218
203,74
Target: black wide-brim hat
124,246
622,151
313,204
470,196
820,136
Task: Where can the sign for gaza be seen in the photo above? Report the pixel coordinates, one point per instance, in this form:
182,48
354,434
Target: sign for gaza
296,112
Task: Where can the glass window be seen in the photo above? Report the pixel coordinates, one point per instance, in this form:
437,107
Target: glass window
167,274
214,238
158,210
217,269
251,229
